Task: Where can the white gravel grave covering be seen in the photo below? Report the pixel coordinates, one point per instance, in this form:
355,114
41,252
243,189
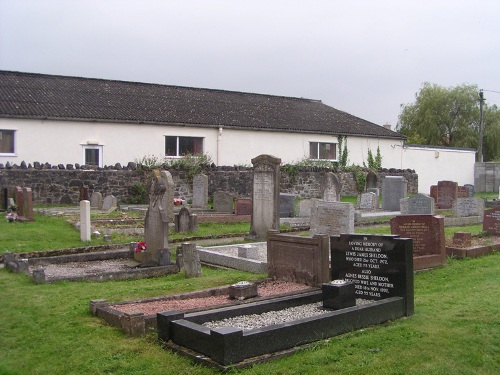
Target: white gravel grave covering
254,321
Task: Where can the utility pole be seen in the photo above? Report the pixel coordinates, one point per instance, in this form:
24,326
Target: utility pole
480,148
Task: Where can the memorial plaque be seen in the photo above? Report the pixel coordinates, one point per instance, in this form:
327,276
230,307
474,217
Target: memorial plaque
223,202
427,232
393,189
368,201
419,204
379,266
447,192
464,207
265,199
491,221
200,191
332,218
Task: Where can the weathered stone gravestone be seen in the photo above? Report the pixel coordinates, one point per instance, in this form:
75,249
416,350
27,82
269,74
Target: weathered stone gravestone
109,203
223,202
19,198
304,207
191,260
371,181
298,259
463,207
447,192
419,204
200,191
243,206
379,266
331,218
330,188
462,192
186,221
427,233
287,205
96,200
85,226
491,221
156,220
375,191
265,211
367,201
471,189
393,189
434,193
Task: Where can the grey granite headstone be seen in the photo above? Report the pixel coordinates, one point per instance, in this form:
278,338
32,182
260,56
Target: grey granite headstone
287,205
96,200
223,202
266,190
330,188
393,189
371,181
200,191
109,203
156,220
331,218
368,201
419,204
463,207
471,189
304,207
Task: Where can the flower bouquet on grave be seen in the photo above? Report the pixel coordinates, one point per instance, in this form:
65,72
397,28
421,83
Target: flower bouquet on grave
139,248
177,201
12,213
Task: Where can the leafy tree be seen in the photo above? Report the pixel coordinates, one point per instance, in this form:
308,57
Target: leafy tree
450,117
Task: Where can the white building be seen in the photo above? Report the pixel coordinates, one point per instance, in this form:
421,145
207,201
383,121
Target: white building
69,120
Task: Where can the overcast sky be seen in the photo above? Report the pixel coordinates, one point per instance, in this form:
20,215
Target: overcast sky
364,57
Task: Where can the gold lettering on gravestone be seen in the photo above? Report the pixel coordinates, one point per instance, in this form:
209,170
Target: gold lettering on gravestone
417,231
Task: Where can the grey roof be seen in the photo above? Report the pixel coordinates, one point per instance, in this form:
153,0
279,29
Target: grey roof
40,96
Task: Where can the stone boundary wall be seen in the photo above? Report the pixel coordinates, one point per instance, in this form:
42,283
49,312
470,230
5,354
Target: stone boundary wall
62,186
487,177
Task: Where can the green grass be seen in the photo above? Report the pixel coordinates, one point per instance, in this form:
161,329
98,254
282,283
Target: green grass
454,329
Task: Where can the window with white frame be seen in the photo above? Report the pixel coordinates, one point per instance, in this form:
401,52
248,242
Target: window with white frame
92,155
322,151
180,146
7,141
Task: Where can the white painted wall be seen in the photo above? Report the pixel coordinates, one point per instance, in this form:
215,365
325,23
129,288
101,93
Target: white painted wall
439,164
61,142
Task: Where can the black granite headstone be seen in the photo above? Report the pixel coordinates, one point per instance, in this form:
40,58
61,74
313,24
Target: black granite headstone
379,266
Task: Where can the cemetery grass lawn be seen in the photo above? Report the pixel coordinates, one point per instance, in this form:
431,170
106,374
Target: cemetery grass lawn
47,329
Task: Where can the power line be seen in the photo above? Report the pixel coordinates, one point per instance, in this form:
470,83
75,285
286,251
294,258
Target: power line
498,92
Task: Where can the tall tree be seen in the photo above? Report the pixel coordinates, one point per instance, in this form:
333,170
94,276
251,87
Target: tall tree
450,117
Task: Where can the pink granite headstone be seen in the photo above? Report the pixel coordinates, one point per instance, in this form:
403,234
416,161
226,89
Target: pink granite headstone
491,221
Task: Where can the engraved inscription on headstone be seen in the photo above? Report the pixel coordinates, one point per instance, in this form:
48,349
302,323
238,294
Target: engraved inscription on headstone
463,207
419,204
379,266
332,218
491,221
200,191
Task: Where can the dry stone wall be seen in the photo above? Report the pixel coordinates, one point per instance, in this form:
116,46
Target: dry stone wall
62,186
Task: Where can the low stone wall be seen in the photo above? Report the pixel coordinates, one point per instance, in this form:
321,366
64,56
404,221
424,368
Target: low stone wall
62,186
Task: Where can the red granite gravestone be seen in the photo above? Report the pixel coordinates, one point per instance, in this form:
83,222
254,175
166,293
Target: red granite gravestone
27,204
491,221
462,192
18,194
427,232
243,206
447,192
434,193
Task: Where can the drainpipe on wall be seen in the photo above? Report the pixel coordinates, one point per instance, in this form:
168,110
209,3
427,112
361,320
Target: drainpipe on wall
219,140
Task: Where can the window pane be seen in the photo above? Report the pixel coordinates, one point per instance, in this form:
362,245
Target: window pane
92,156
313,150
171,146
327,151
186,145
7,141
